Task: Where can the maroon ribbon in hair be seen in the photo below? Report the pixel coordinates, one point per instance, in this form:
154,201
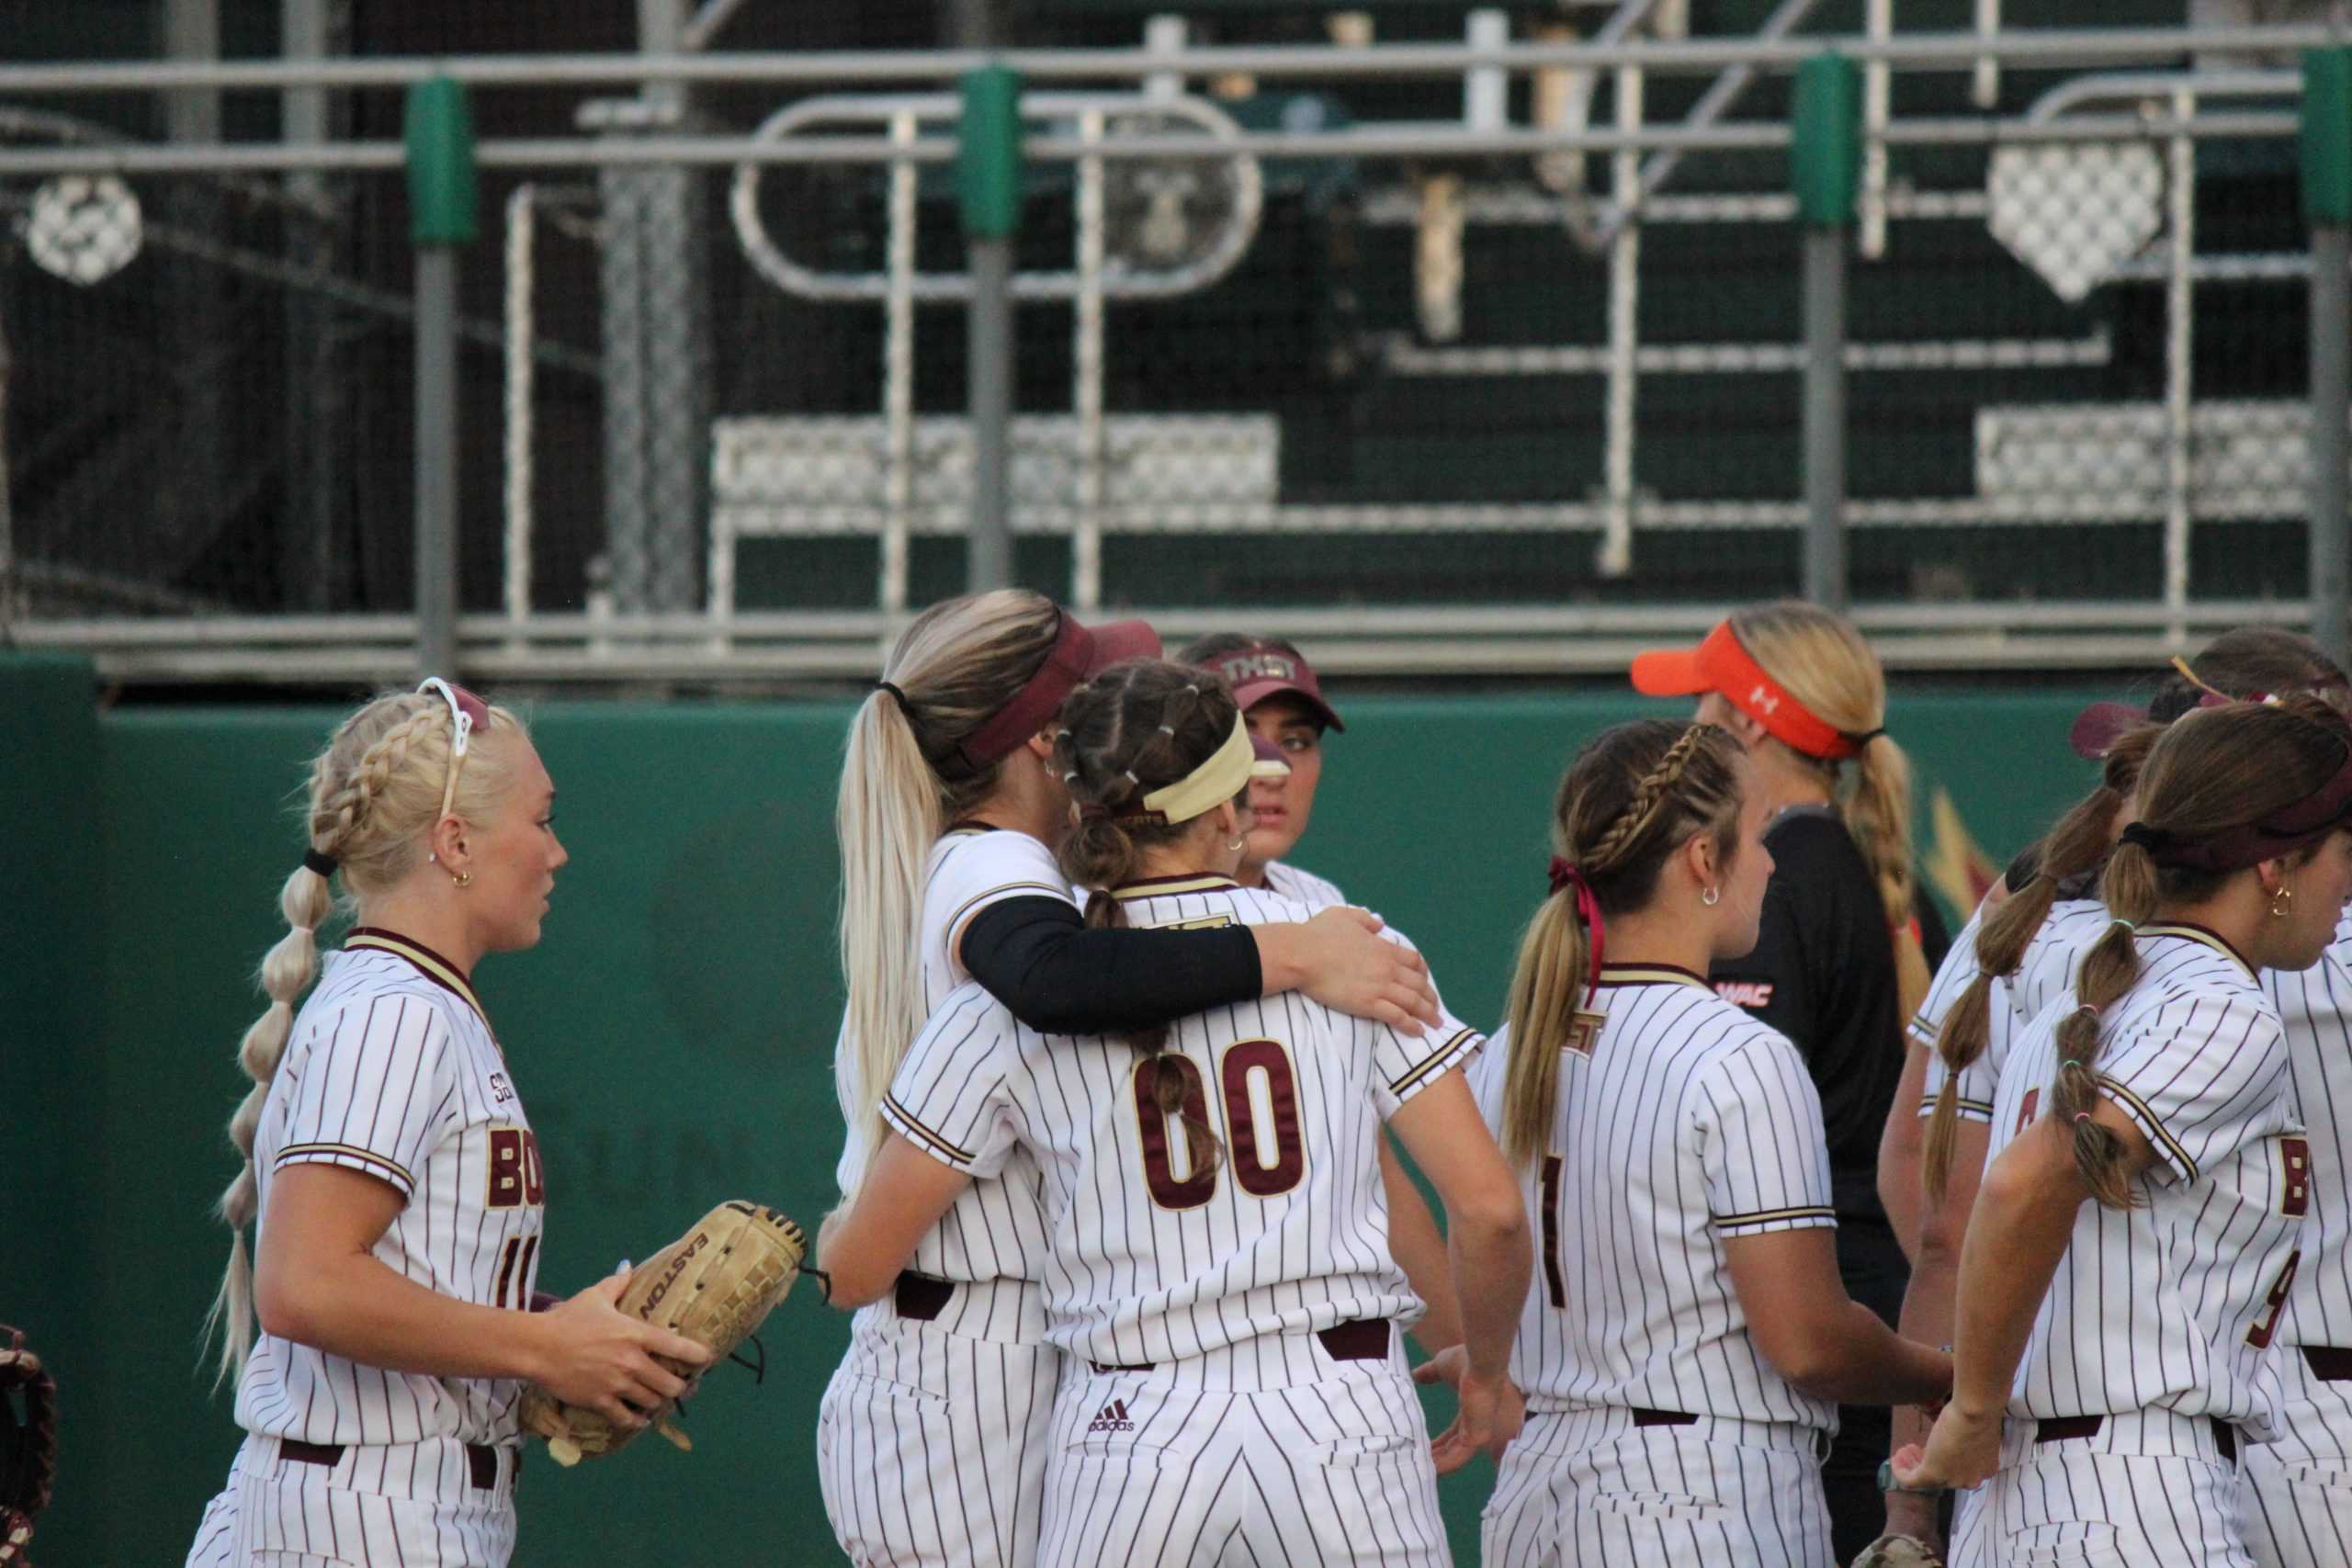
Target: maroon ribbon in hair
1565,875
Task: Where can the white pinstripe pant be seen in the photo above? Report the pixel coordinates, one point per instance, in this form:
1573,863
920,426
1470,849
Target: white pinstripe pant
1590,1487
2150,1486
381,1506
1257,1454
931,1444
2297,1491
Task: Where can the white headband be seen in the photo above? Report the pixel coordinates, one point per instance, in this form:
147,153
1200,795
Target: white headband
461,729
1215,781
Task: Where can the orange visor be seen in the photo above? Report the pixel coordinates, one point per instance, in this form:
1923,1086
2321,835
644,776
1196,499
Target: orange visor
1721,664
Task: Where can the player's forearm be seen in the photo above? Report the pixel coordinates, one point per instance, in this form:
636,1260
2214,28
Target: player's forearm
1926,1319
1492,1261
1854,1359
1058,977
355,1307
1901,1149
1420,1250
2017,1231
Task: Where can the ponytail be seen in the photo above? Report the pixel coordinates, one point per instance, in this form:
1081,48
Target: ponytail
888,815
1546,988
2073,848
1170,1090
905,776
2109,968
286,973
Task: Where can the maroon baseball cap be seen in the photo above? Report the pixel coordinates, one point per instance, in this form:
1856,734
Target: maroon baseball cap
1265,670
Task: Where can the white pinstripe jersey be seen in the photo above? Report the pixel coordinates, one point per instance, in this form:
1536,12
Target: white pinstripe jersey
1156,1257
391,1070
1681,1123
2046,970
2315,1007
996,1229
1302,887
2171,1303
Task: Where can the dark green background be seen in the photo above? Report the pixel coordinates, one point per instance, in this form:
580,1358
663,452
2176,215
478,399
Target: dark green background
671,1035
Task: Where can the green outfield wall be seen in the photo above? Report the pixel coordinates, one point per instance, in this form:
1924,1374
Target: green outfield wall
671,1035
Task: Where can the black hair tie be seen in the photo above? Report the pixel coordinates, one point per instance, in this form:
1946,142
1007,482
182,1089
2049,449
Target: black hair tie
1866,737
897,696
2155,841
324,864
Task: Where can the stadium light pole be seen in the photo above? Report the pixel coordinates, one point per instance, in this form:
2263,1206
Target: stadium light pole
987,174
442,192
2327,208
1826,160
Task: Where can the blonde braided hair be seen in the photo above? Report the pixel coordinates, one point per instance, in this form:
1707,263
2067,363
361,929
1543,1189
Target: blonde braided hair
373,794
1630,800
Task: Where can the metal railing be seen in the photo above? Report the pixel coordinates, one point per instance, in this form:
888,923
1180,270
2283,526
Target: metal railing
2166,460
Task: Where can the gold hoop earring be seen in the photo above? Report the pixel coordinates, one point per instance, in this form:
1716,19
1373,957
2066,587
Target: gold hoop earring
463,879
1238,845
2281,902
1711,896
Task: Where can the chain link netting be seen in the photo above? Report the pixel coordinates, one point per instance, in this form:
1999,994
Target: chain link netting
2076,367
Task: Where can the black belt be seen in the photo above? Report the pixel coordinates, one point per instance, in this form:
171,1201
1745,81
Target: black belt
2067,1428
1645,1417
2328,1363
482,1459
1363,1339
921,1297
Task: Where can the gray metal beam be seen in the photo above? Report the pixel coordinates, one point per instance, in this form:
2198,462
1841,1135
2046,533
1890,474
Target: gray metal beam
1404,142
1955,51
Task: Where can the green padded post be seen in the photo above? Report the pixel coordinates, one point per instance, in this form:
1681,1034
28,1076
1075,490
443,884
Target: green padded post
441,183
1825,149
2327,135
987,163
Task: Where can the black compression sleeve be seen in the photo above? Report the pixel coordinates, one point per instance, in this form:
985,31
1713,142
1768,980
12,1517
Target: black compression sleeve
1037,956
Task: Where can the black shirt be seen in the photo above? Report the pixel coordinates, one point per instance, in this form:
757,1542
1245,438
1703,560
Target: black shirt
1822,973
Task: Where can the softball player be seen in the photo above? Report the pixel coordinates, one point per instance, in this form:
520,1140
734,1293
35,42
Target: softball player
2297,1490
1218,1272
394,1178
2017,953
931,1434
1839,964
2124,1338
1283,702
1683,1354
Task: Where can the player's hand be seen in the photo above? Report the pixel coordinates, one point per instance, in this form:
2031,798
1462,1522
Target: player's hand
1961,1450
597,1356
1491,1414
1493,1410
1347,965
